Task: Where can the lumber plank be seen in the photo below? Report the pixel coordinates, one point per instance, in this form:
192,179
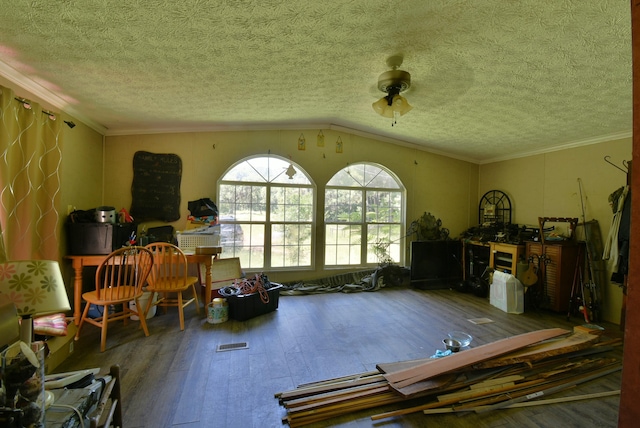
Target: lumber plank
333,401
497,380
401,365
456,361
574,342
302,392
550,390
530,403
339,409
355,376
461,395
332,395
535,385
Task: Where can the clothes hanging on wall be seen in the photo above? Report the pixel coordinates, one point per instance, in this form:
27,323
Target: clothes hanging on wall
616,248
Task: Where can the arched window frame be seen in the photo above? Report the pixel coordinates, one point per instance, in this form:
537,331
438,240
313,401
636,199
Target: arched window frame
355,236
274,226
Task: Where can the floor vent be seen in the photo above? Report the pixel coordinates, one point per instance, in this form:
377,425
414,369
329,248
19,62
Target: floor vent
232,346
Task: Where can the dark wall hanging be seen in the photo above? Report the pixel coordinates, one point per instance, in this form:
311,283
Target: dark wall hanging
156,186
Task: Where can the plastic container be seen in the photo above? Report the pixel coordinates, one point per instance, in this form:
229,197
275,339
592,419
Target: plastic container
245,306
189,240
144,300
217,311
507,293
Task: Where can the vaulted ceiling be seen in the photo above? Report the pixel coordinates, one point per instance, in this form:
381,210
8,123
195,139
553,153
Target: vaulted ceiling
491,79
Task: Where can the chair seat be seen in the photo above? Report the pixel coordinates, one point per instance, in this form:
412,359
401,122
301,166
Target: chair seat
119,280
173,284
122,294
169,278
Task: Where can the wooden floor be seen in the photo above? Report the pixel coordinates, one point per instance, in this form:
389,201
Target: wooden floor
177,379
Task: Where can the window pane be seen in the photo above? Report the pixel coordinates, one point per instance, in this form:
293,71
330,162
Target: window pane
331,205
277,204
306,203
383,206
243,203
363,195
253,249
343,179
376,177
243,172
383,242
258,203
343,244
231,235
346,206
291,245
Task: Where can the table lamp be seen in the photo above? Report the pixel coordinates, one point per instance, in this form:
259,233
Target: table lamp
35,287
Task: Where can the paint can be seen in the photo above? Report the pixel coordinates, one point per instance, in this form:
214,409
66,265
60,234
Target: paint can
218,311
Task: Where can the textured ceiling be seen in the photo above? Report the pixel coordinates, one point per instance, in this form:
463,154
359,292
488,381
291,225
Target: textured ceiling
491,79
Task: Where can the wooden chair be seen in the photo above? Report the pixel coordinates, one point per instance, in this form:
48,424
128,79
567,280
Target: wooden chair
169,277
119,280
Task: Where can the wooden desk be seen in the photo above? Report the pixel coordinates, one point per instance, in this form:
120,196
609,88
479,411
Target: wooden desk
79,262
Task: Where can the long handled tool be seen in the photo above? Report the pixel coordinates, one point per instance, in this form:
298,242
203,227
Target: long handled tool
575,300
594,304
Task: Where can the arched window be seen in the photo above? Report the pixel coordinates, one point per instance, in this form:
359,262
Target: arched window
267,211
363,215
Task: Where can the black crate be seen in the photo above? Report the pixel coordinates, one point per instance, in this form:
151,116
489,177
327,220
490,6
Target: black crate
97,238
246,306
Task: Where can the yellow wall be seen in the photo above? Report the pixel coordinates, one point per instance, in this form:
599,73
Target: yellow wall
81,171
538,186
547,185
443,186
94,174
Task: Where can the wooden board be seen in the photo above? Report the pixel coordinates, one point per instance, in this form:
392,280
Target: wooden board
575,342
438,366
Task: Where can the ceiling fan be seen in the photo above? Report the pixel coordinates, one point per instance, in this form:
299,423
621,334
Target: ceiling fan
393,82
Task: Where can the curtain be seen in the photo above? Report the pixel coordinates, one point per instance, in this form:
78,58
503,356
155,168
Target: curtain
30,158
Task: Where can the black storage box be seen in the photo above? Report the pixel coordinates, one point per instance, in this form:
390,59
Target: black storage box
246,306
97,238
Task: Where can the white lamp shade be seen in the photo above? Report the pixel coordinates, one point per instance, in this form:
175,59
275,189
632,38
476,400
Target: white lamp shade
399,104
35,287
383,108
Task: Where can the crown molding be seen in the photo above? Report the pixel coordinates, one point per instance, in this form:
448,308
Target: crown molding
44,95
565,146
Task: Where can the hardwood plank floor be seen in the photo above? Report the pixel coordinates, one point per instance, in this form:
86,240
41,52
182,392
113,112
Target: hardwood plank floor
177,379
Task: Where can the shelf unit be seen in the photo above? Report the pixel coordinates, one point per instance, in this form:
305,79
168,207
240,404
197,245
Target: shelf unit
556,267
504,257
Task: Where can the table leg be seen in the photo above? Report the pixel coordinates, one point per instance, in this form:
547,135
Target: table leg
207,279
77,290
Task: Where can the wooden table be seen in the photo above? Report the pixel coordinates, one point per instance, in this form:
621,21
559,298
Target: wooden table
78,262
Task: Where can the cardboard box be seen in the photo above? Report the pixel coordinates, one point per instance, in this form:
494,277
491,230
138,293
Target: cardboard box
507,293
246,306
60,347
97,238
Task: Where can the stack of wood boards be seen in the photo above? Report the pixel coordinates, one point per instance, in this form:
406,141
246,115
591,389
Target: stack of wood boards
487,377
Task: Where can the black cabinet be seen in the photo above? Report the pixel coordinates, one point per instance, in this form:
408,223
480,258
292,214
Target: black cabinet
436,264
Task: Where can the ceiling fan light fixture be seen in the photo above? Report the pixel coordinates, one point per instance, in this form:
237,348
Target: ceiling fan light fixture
382,107
400,105
393,82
